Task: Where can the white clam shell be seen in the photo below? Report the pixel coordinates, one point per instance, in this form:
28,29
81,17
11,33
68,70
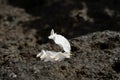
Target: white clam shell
56,56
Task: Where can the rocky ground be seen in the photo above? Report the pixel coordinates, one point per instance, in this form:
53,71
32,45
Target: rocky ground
92,28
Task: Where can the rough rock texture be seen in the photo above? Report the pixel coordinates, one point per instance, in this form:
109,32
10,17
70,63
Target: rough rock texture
94,37
95,56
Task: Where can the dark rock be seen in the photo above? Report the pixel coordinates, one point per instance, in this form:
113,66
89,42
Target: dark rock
24,30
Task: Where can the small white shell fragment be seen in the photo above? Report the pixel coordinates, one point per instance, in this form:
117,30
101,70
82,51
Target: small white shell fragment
52,56
61,41
56,56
